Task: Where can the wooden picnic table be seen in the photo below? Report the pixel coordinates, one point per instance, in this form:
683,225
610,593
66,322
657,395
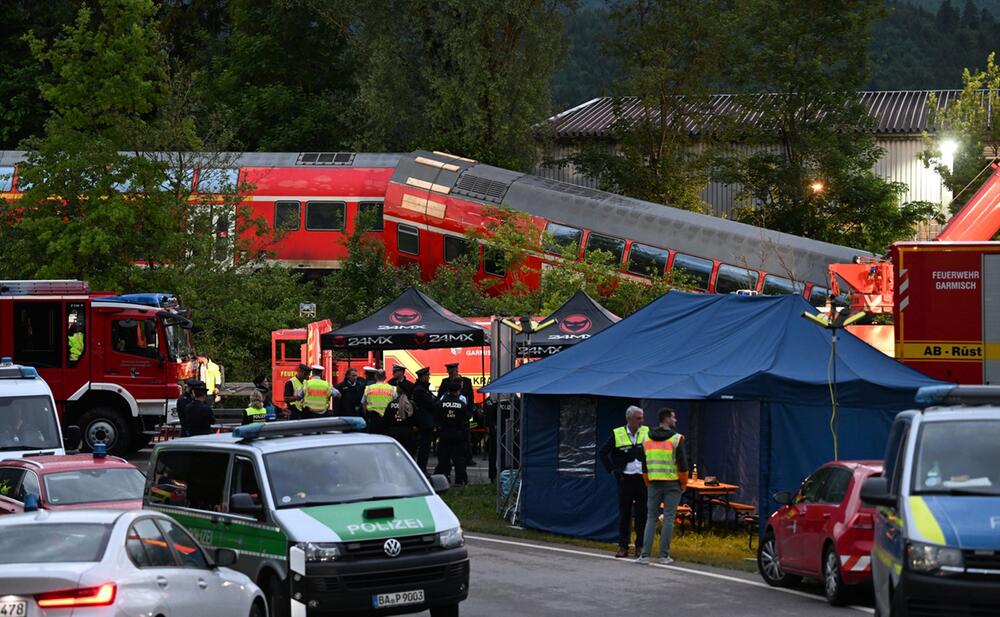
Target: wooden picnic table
700,494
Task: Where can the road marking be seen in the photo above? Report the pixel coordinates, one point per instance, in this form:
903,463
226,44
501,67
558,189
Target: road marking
732,579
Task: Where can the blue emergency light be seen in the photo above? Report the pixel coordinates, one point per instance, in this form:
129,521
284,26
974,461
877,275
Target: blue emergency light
288,428
950,394
100,450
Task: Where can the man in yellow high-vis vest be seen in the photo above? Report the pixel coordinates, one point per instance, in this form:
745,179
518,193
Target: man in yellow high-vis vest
623,455
293,392
316,394
377,397
666,474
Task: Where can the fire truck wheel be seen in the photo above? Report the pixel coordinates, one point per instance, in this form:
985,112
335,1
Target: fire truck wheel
105,425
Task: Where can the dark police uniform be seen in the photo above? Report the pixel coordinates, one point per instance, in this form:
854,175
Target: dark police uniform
619,456
351,396
398,427
425,407
198,419
453,419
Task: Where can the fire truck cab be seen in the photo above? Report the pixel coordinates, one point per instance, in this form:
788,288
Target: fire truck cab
113,365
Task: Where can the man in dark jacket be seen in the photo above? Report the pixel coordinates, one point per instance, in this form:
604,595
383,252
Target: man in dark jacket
425,407
352,392
623,455
396,423
186,397
453,420
198,416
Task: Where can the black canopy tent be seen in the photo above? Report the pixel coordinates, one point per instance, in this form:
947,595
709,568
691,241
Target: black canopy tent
411,321
578,319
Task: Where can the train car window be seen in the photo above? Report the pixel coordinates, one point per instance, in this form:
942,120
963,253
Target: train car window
217,180
376,207
6,179
408,239
177,180
695,270
597,242
777,286
558,237
494,262
325,215
286,215
455,248
818,296
647,260
731,278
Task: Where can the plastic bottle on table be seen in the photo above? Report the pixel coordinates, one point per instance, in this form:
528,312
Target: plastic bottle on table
694,472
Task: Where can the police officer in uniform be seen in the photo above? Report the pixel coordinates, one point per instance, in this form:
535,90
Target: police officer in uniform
623,455
466,391
352,391
425,406
453,419
396,423
185,399
293,392
398,375
198,416
255,411
378,395
316,395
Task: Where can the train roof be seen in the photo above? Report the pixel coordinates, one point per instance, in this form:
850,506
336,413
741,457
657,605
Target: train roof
257,159
739,244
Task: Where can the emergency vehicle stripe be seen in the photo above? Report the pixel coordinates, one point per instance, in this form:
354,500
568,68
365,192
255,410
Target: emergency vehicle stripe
923,519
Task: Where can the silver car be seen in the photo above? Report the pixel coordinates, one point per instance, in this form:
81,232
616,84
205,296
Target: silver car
116,564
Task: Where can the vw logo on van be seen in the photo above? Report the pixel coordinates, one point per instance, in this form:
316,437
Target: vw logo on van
392,547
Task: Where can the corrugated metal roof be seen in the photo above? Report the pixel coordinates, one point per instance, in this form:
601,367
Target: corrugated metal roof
902,112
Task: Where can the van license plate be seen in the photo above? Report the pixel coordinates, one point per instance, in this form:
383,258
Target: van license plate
18,609
398,598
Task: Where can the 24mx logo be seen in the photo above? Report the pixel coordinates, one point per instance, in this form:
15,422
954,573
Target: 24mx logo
356,341
449,338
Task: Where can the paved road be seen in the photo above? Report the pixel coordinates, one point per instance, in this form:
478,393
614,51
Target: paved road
510,577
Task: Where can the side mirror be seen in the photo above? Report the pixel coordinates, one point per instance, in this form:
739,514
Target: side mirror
225,557
71,437
243,503
440,484
875,492
783,498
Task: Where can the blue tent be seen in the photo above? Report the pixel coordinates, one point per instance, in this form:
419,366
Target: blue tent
750,380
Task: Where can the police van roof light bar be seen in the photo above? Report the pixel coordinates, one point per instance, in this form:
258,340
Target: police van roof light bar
951,394
289,428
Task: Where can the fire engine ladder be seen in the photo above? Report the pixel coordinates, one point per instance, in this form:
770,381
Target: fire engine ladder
43,288
979,218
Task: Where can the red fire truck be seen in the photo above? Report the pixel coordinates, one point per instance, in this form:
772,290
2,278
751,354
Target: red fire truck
947,309
113,365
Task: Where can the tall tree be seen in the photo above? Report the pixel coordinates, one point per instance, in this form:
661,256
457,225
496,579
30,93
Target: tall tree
467,77
810,170
971,123
671,54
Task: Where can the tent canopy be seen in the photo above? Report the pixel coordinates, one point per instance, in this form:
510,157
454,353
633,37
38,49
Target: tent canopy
697,346
411,321
578,319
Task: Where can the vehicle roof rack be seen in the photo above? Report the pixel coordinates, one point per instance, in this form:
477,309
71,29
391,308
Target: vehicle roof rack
54,286
289,428
951,394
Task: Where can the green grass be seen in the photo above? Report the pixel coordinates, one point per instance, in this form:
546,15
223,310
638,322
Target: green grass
475,507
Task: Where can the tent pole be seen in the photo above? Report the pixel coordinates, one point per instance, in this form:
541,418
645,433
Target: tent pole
833,392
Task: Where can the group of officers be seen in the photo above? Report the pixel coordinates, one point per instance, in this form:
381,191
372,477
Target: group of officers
405,410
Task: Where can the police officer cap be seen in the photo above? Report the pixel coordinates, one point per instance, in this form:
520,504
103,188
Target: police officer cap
303,367
451,365
423,371
369,369
317,368
200,388
398,367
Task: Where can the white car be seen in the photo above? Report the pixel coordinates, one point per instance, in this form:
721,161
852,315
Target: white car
104,563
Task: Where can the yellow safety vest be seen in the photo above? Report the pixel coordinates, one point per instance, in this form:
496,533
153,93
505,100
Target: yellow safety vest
622,440
256,411
661,458
213,375
296,386
317,395
75,346
378,396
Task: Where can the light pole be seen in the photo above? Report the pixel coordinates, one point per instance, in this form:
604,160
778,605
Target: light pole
837,320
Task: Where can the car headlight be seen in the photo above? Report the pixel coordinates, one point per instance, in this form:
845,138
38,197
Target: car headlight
319,551
452,538
922,557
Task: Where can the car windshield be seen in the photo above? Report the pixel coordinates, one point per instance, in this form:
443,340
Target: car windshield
339,474
28,423
53,542
179,342
93,486
958,457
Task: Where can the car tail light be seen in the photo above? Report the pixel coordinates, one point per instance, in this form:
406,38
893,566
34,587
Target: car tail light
102,595
863,520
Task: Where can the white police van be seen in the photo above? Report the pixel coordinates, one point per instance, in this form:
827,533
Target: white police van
327,520
936,549
29,421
